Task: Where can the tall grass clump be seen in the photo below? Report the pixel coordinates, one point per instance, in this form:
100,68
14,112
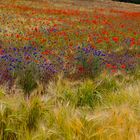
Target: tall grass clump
73,111
82,93
88,95
27,81
8,122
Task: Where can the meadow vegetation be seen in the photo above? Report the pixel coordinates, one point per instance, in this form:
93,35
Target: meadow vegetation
68,72
86,110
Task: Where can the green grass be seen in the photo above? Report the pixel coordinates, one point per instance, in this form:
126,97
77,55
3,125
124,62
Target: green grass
81,110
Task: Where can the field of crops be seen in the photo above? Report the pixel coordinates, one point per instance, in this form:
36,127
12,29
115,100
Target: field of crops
69,70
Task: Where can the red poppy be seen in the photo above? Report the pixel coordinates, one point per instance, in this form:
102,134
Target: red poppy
81,69
33,43
1,52
36,29
115,39
122,25
17,36
123,66
114,67
99,40
46,52
104,32
134,33
94,21
106,39
108,65
132,42
114,70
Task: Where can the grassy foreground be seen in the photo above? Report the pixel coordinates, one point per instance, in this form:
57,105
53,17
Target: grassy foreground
106,109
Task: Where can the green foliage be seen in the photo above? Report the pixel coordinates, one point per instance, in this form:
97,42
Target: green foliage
6,119
9,134
66,112
87,95
27,82
33,114
1,93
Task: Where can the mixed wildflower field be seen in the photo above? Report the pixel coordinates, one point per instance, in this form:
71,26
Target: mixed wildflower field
69,70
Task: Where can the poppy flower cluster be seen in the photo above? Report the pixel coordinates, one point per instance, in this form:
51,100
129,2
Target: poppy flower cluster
56,39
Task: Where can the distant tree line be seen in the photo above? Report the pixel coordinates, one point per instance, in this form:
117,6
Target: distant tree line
131,1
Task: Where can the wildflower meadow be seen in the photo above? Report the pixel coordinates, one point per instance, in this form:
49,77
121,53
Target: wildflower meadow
69,70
